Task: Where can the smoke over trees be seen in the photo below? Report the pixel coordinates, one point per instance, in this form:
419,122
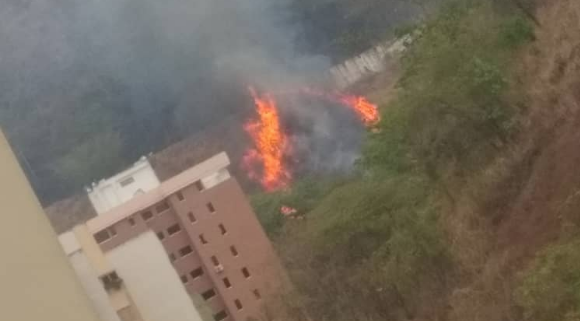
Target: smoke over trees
86,87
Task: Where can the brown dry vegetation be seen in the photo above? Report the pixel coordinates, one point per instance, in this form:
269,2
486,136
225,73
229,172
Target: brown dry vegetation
496,220
518,205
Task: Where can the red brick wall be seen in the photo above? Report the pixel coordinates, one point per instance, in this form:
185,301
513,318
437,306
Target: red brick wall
243,231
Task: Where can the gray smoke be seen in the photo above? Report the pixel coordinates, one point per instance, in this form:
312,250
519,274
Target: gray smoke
326,136
198,55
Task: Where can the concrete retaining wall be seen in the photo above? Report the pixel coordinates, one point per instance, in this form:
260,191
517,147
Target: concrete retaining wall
368,63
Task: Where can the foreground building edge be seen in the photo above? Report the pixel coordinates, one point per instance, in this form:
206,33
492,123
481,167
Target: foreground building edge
37,281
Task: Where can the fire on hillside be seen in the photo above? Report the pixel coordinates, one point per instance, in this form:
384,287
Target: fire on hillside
267,161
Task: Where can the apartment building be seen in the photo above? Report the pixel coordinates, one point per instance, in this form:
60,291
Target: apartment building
205,225
37,283
119,283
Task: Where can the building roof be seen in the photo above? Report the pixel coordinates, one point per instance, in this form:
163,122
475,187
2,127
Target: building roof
225,136
158,194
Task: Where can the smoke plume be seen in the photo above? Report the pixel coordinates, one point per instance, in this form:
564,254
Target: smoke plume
139,67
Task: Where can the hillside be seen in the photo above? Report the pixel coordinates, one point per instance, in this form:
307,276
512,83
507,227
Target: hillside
466,203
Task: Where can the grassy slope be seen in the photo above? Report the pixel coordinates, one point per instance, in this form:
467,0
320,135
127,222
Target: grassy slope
460,222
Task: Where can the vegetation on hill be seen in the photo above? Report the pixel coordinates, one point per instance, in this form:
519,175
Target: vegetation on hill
460,210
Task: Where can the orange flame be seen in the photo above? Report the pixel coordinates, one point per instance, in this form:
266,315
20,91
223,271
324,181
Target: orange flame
271,145
366,111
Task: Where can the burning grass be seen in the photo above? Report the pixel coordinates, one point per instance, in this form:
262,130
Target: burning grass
269,161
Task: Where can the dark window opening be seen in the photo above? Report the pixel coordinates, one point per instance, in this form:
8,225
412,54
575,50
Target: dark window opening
222,229
215,261
162,207
199,186
172,257
161,236
196,273
257,294
102,236
173,229
185,251
184,278
220,315
238,304
179,196
131,221
245,272
210,207
234,250
192,218
111,281
227,283
202,239
127,181
208,294
147,215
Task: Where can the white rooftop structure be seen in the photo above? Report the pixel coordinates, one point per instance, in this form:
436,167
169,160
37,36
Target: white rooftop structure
112,192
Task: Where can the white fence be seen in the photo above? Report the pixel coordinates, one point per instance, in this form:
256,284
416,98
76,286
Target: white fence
367,63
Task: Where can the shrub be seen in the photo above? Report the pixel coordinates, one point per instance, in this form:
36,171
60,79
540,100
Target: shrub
550,287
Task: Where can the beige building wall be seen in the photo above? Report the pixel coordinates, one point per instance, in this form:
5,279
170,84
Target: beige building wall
37,282
151,279
88,276
113,303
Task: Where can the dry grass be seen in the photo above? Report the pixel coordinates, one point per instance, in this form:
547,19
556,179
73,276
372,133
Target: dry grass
515,207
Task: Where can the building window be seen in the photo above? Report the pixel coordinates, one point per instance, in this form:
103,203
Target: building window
131,221
215,261
105,235
185,251
199,186
111,281
227,283
220,315
183,279
172,257
160,235
127,181
179,196
191,217
234,250
173,229
208,294
245,272
257,294
147,215
222,229
210,207
162,207
238,304
196,273
202,239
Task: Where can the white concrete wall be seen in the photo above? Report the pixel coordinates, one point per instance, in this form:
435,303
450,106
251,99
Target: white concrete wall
215,178
110,192
367,63
93,287
152,281
88,277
